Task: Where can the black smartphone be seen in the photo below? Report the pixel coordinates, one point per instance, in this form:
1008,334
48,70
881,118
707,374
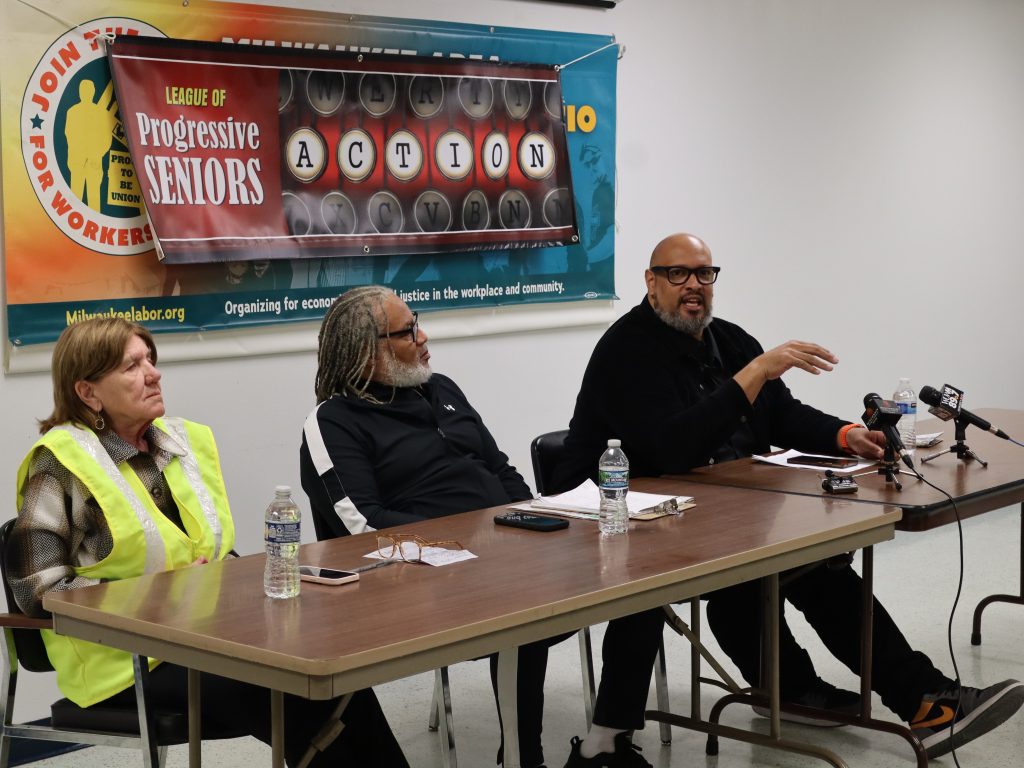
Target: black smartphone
831,462
532,522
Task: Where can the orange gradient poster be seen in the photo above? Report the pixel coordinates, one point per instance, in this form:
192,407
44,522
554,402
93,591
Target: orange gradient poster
78,240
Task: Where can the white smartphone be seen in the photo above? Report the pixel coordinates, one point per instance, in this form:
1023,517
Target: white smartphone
319,575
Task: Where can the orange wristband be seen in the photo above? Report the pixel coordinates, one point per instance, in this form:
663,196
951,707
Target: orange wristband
843,431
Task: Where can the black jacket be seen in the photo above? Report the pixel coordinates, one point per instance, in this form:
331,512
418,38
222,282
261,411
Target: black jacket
424,454
675,405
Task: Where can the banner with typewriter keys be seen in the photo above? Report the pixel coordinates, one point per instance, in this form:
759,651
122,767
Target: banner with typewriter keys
246,153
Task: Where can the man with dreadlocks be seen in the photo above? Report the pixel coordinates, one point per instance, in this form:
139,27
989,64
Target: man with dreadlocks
391,442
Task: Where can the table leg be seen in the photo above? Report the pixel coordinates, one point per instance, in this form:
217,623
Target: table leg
195,733
865,720
771,621
441,718
772,626
1012,599
508,703
276,729
695,662
867,631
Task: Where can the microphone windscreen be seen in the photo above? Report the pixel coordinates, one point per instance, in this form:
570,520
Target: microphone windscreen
870,398
930,395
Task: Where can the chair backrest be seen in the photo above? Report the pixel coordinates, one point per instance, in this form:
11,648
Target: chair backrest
27,642
546,451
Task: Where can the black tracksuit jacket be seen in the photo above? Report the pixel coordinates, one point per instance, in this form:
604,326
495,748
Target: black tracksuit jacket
424,454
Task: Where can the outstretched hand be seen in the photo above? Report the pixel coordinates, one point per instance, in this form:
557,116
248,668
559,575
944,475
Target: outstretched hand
770,365
810,357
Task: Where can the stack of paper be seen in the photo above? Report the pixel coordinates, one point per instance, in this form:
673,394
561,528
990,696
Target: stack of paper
585,502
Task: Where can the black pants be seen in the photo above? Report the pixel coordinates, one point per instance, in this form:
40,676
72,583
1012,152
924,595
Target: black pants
628,653
229,704
532,668
627,662
830,599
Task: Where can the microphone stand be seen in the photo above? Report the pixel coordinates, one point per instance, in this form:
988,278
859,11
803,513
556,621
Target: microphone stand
890,467
960,448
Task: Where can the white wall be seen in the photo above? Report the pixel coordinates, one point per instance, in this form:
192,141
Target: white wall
856,168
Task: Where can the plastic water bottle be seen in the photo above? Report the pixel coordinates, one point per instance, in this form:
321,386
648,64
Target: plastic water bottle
281,535
613,479
906,399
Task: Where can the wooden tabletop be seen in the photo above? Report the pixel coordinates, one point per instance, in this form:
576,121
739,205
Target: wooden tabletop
976,489
403,619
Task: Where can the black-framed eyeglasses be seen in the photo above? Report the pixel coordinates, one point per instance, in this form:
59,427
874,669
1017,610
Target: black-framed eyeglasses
413,331
679,275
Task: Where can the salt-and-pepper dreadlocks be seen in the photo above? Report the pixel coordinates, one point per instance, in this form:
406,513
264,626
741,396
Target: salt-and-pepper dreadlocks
348,343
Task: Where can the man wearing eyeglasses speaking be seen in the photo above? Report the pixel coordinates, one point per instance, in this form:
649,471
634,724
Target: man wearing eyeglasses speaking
681,390
391,442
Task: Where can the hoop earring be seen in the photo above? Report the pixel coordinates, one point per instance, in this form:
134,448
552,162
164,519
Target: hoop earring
99,424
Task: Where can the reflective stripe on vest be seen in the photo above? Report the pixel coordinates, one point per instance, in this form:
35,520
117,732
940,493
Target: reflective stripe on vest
202,453
110,487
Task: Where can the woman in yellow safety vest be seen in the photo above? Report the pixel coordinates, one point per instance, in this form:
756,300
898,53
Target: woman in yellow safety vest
114,489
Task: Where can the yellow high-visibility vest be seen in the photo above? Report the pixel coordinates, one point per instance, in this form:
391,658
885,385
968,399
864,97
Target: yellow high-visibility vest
144,540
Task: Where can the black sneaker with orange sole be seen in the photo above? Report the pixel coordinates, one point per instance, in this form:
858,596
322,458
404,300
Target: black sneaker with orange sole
953,717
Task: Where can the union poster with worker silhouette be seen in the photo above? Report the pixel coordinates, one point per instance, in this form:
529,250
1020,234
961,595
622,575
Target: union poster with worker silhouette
80,240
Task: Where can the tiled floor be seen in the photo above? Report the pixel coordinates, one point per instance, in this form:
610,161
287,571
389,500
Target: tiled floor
915,579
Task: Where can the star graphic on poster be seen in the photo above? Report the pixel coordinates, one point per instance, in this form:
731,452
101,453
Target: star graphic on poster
37,122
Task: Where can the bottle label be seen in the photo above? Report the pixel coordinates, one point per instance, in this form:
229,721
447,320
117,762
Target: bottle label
908,407
282,533
613,478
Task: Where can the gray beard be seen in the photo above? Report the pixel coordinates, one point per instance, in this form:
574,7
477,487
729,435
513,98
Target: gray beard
691,326
398,374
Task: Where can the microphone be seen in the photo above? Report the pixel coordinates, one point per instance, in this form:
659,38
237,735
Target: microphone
947,405
882,415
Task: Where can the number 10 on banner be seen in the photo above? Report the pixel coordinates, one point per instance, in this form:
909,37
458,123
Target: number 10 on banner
582,118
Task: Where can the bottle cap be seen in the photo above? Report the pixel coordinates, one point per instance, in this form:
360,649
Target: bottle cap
283,489
904,384
613,443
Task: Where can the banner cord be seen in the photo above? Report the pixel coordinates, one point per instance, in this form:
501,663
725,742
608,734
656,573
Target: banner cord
105,36
622,51
109,37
